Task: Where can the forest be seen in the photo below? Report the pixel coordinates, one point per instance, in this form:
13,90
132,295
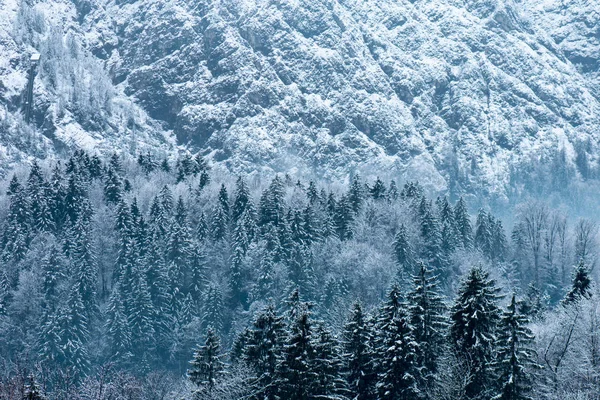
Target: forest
156,278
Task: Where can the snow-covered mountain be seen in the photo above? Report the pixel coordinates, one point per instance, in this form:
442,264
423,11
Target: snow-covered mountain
455,93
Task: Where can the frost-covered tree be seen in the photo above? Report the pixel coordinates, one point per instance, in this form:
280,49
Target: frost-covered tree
515,358
474,321
358,356
207,367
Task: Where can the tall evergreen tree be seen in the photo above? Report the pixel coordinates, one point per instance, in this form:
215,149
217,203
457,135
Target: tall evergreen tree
427,310
262,351
463,223
474,320
358,356
356,194
581,286
207,367
515,357
378,190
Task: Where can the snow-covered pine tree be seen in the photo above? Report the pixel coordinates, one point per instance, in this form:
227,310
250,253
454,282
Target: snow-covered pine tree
296,378
515,358
427,311
207,367
212,310
358,356
463,223
378,190
432,251
118,329
262,350
241,200
328,365
140,316
32,390
113,187
399,371
356,194
344,218
581,286
483,239
474,320
403,254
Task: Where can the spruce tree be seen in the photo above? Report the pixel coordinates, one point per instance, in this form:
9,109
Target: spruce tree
581,286
328,365
118,329
206,366
296,375
358,356
483,233
427,310
378,190
403,254
463,223
515,358
356,194
241,200
399,371
474,320
264,344
212,311
113,187
33,390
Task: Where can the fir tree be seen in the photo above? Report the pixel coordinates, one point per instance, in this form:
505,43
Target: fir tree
427,316
343,218
32,390
241,200
356,194
358,356
403,255
296,375
483,233
328,365
212,312
118,329
399,369
515,358
206,366
581,286
378,190
113,187
474,319
272,206
463,223
262,350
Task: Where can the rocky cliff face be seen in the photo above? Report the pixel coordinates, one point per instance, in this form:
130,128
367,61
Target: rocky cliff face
457,93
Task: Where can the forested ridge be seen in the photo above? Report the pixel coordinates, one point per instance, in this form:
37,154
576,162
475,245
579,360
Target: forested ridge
152,278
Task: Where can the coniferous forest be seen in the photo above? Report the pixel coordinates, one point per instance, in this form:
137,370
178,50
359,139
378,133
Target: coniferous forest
153,278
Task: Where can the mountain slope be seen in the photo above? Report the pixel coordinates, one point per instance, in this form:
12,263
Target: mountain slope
459,94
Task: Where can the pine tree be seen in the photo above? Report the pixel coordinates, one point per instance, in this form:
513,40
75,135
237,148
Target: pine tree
242,199
4,292
378,190
296,375
206,366
118,329
515,358
403,255
474,319
399,370
262,350
432,251
328,365
358,356
427,310
463,223
312,193
74,334
17,233
84,267
53,267
272,205
113,187
356,194
581,286
393,193
32,390
212,312
140,317
343,218
56,198
483,233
